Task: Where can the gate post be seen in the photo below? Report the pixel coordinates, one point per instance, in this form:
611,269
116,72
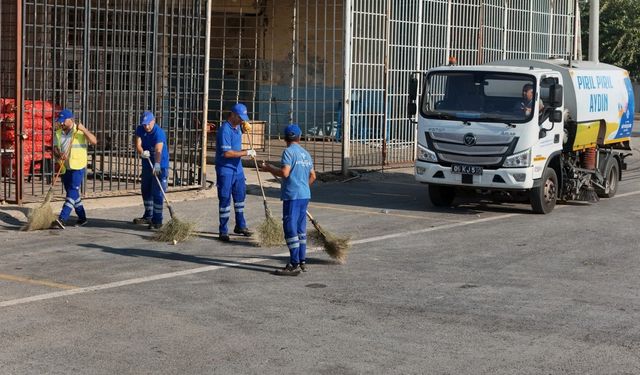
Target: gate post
346,93
19,105
205,96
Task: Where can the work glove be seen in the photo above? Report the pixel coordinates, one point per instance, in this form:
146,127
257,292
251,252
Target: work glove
251,153
156,169
246,127
146,154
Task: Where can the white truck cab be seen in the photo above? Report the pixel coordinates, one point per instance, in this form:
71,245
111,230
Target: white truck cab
546,127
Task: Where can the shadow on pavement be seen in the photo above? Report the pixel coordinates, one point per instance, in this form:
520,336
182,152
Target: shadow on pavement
9,221
284,259
399,192
168,255
236,240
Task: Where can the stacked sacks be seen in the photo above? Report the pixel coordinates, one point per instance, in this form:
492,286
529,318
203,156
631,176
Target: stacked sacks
7,138
37,146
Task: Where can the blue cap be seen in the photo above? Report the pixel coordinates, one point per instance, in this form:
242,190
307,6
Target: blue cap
146,118
64,115
292,131
240,110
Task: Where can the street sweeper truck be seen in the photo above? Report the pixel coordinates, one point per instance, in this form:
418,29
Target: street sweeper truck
554,130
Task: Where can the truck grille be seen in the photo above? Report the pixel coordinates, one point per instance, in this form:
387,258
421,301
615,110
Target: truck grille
484,150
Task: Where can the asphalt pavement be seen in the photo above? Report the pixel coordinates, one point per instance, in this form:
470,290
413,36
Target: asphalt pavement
483,287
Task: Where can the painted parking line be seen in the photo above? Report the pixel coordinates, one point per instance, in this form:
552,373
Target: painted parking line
432,229
245,264
248,264
30,281
371,212
631,193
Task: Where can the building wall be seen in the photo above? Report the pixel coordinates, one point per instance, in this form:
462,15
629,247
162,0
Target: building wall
282,58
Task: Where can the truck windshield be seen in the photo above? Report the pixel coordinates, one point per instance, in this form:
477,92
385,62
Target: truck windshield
479,96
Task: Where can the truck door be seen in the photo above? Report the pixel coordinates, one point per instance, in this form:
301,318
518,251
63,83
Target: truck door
550,114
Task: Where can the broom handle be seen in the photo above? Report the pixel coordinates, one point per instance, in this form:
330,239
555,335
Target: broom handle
313,221
61,162
255,162
162,190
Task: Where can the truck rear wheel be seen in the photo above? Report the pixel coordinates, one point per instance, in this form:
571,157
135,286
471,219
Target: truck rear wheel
441,196
611,175
544,197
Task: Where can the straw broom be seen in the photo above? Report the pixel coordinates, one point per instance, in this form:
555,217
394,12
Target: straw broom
336,247
42,217
270,231
175,230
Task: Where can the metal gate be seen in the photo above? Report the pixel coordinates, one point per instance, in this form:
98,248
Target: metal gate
107,61
283,59
389,39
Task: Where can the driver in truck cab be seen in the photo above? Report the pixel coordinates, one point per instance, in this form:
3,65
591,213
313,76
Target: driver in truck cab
526,105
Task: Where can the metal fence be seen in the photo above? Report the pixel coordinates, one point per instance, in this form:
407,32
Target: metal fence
392,38
107,61
339,68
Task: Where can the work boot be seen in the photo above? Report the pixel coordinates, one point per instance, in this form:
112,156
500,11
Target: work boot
81,222
303,266
243,231
142,221
224,237
155,226
288,270
58,224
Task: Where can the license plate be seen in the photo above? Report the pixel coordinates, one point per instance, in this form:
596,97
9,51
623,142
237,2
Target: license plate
466,169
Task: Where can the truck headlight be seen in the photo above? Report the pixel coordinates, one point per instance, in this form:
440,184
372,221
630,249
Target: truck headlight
424,154
519,160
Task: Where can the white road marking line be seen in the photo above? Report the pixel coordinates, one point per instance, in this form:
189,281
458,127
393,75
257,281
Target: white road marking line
246,263
626,194
355,210
139,280
431,229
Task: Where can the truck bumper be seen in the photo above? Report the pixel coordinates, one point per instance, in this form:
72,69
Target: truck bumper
496,179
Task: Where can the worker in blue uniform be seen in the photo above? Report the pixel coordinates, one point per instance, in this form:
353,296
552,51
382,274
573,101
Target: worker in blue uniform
151,144
297,175
229,171
70,145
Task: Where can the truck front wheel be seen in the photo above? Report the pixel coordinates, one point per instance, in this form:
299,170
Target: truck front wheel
543,197
441,196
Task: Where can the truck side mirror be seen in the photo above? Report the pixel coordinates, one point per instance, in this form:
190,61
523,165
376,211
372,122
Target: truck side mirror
556,116
555,97
412,107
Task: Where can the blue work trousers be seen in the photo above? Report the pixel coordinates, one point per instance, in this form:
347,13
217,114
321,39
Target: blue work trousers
152,195
294,220
72,181
231,185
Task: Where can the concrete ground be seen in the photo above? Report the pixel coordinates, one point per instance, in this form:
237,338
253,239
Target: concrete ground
479,288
